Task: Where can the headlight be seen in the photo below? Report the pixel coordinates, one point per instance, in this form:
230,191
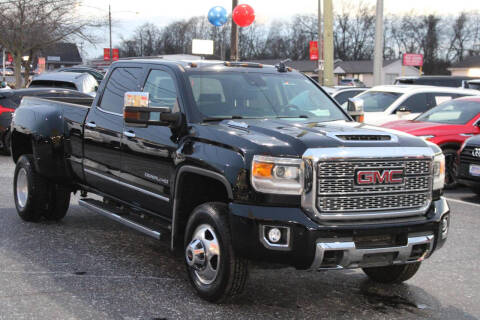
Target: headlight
438,166
426,137
438,171
277,175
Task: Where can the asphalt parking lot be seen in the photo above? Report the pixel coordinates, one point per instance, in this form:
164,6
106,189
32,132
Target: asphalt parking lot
88,267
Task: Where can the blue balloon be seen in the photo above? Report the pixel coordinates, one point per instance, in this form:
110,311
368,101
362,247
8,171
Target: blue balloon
217,16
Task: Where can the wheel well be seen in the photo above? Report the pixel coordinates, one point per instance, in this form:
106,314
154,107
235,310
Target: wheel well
194,189
21,144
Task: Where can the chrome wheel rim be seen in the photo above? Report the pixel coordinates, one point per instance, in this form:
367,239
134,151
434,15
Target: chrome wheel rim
203,254
22,187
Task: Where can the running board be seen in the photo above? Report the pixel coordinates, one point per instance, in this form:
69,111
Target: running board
96,206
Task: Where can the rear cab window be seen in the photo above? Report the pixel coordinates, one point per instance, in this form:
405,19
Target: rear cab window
122,79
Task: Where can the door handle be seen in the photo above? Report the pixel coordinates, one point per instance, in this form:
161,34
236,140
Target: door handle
129,134
91,124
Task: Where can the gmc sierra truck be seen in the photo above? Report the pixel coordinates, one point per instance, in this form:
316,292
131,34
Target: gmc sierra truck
234,163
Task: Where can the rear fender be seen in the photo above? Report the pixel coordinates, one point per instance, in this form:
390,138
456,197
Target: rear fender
43,125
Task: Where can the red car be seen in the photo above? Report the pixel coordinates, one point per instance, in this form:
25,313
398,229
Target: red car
448,125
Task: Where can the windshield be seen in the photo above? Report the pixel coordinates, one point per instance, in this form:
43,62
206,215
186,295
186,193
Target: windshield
260,95
452,112
378,101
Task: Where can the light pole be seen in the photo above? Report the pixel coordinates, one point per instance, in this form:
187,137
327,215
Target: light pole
3,73
320,44
234,36
110,23
378,50
110,30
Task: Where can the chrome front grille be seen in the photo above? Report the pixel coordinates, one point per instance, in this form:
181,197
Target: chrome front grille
346,186
338,194
378,202
336,169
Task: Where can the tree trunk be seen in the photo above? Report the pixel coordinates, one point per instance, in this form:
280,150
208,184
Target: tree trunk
17,60
26,75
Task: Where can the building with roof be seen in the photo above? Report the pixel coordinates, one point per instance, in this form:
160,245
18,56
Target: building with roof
363,70
470,66
62,54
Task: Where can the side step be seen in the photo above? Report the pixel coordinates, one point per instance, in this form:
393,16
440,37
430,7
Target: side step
98,207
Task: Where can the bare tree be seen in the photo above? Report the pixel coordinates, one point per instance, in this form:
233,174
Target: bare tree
354,30
30,25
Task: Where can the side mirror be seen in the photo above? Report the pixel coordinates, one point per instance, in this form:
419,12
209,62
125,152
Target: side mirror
355,109
137,112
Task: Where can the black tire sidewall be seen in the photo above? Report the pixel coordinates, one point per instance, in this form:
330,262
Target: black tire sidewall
203,215
450,167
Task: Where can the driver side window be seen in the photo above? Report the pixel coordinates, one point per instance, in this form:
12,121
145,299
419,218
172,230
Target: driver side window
417,103
161,88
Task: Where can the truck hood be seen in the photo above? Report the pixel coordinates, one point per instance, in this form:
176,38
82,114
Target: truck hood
292,137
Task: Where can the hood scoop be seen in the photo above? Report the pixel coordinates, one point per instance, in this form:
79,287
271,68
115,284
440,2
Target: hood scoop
364,137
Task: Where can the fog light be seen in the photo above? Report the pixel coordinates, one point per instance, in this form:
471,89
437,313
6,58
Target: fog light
274,235
444,226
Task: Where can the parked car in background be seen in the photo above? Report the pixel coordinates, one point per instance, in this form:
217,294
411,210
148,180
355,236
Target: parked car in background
10,100
342,95
439,81
9,71
329,90
82,82
351,82
448,125
474,84
468,164
82,69
395,102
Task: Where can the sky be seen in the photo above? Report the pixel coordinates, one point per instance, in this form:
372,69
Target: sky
127,17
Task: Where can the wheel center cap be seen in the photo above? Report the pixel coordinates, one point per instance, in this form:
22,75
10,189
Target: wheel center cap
195,254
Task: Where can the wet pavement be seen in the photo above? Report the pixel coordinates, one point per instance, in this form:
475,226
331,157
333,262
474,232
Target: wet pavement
88,267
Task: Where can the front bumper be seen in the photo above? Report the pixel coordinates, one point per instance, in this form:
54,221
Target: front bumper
464,177
327,246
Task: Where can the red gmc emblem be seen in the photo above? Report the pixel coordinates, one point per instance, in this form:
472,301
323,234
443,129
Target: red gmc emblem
365,177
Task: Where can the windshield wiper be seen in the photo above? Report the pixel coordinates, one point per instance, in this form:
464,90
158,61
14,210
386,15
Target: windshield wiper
300,116
208,119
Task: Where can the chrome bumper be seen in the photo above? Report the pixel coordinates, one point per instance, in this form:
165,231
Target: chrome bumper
343,253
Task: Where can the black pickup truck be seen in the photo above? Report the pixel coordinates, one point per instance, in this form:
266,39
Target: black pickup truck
234,163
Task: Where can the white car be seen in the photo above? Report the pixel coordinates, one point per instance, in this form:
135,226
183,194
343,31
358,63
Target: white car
383,104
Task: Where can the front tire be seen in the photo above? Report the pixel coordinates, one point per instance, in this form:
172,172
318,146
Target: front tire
35,197
450,170
392,274
214,270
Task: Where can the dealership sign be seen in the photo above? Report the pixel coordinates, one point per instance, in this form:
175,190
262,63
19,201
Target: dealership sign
313,50
413,59
106,54
202,46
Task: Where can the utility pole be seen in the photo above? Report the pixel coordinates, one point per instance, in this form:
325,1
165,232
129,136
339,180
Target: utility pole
328,42
3,73
110,30
378,51
234,36
320,46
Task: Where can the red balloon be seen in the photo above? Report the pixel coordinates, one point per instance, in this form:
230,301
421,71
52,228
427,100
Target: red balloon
243,15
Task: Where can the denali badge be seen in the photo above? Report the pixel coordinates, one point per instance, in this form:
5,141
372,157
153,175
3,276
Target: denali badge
364,177
476,152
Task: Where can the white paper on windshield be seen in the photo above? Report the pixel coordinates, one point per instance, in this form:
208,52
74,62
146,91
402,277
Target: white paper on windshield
440,99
